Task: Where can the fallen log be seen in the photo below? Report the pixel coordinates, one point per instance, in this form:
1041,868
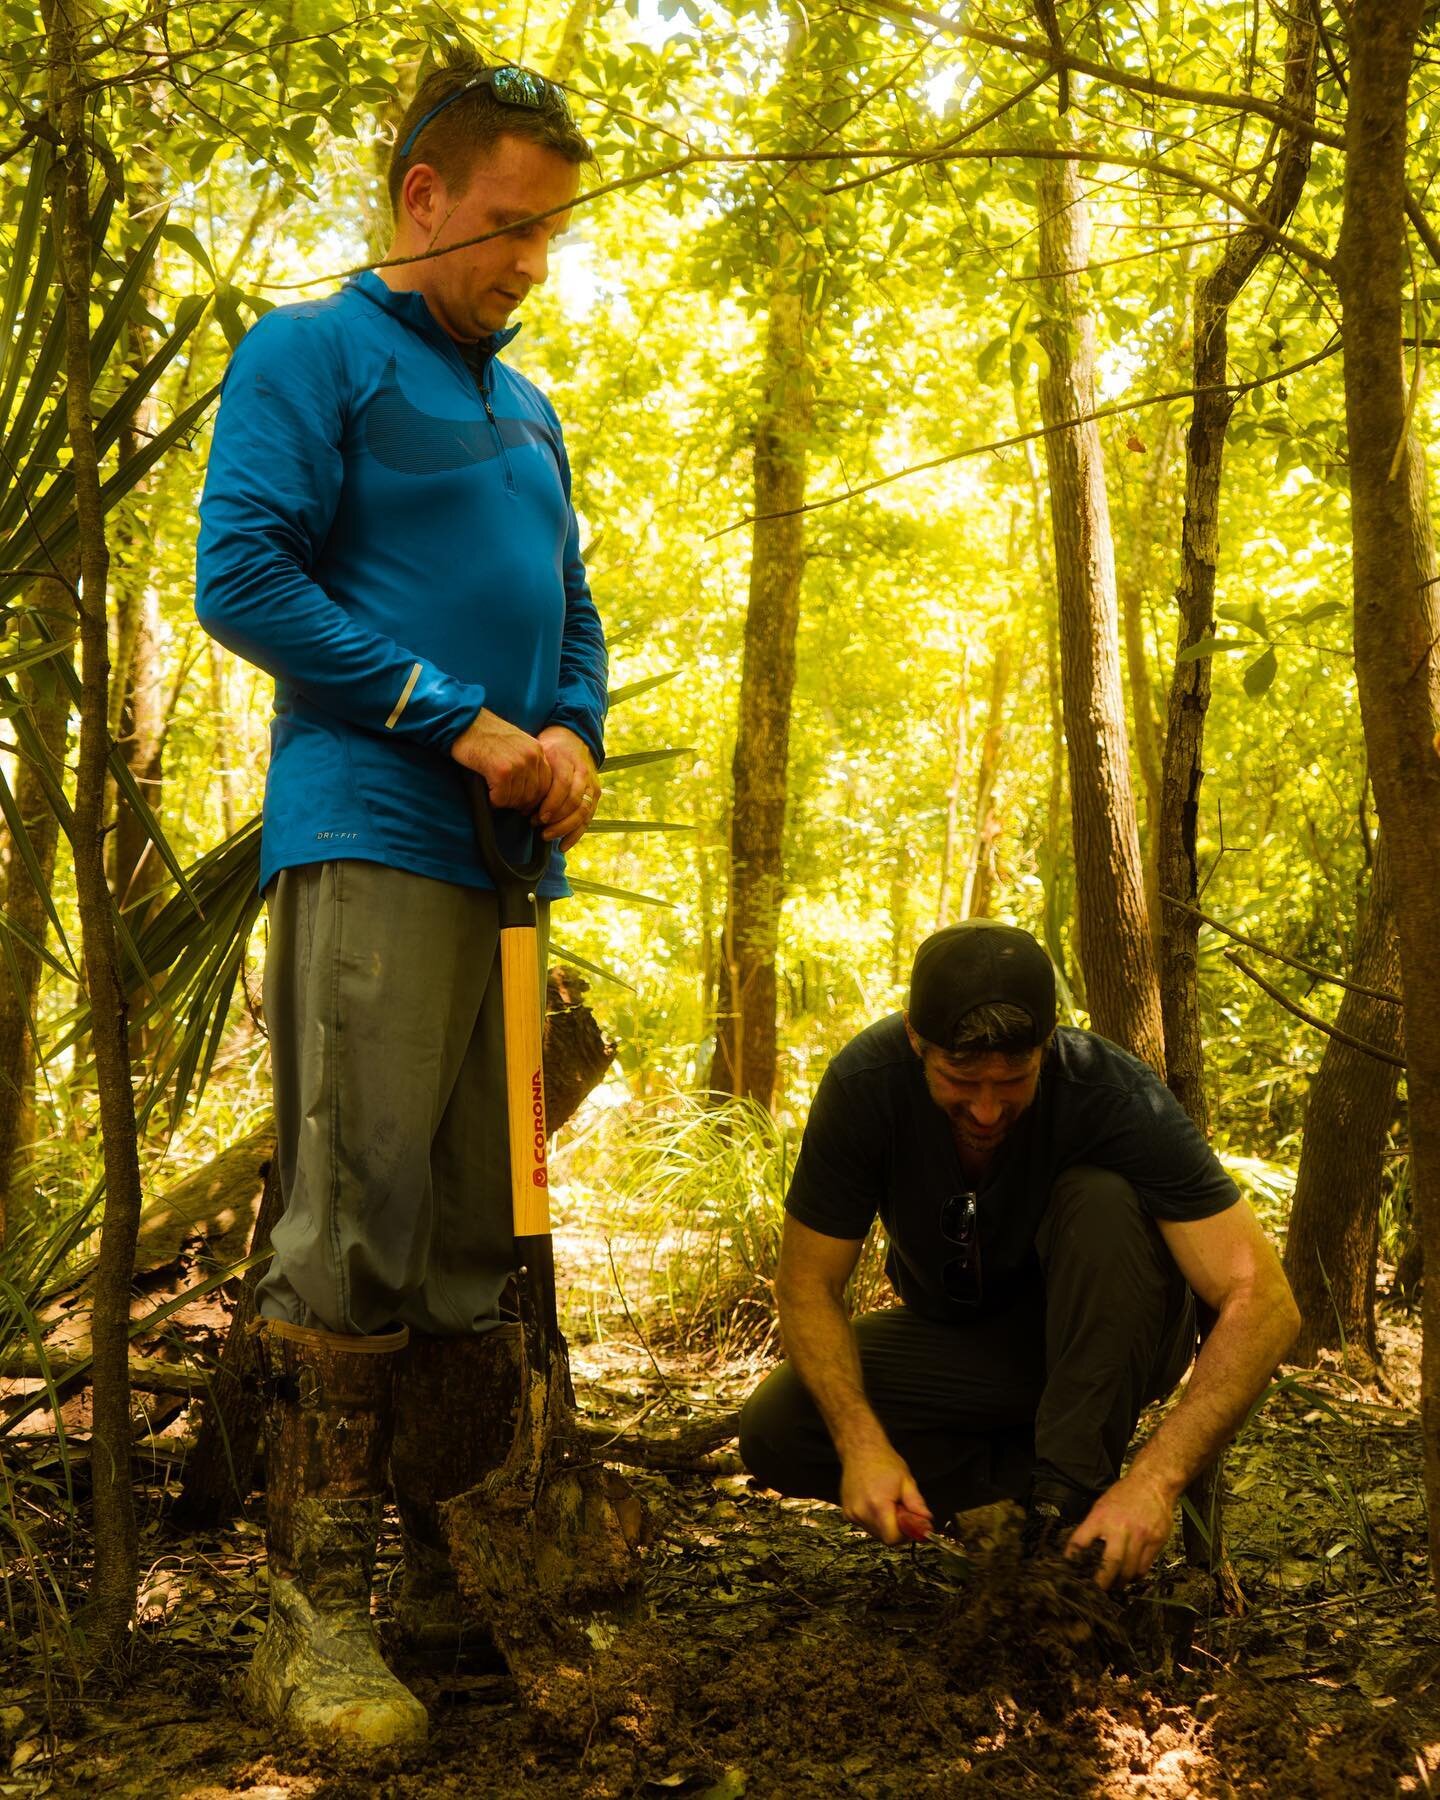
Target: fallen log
685,1448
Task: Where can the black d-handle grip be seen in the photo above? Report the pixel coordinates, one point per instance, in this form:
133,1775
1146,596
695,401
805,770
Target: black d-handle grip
515,883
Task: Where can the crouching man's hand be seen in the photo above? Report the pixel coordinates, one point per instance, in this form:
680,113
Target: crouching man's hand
875,1486
1133,1519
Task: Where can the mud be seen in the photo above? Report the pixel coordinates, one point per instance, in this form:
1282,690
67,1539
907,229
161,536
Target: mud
786,1656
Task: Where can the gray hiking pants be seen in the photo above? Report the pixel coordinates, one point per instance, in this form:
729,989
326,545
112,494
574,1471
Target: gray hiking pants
1051,1383
382,1000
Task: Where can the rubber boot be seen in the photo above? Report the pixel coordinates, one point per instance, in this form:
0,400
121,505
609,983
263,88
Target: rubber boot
455,1404
318,1675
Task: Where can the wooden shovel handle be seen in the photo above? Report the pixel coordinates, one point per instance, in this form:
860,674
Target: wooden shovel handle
525,1081
520,992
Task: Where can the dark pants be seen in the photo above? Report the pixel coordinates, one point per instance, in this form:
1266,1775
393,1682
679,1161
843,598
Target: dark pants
1051,1384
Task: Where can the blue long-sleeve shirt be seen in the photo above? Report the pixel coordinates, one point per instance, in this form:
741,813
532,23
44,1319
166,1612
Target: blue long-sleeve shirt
387,529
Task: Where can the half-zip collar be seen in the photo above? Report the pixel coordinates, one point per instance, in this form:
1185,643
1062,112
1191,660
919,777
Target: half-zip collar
410,306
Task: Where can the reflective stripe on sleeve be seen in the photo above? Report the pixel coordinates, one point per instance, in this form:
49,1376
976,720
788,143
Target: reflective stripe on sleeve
404,699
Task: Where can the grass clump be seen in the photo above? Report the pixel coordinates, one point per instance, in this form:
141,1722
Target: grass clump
691,1199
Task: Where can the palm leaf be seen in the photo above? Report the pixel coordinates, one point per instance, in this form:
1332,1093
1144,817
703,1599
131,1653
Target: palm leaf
25,849
181,968
49,529
619,695
638,759
563,952
581,886
41,375
78,1374
32,247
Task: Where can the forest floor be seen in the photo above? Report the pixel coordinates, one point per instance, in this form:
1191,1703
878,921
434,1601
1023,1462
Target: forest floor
787,1655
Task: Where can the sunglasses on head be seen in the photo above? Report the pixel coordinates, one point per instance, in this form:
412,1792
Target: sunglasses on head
511,86
960,1226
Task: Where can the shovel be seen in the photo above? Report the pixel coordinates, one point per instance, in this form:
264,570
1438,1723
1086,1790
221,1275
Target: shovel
546,1547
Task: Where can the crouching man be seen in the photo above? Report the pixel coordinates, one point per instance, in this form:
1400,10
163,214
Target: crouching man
1052,1215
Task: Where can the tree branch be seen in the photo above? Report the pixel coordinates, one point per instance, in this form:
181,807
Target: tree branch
1309,1018
1038,50
1293,962
1026,437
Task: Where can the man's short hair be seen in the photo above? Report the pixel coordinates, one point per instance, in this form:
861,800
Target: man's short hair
997,1029
470,127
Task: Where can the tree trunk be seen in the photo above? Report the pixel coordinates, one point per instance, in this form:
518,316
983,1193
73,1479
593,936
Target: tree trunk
136,870
112,1598
1114,932
1178,931
745,1039
1135,580
1395,607
952,802
1333,1238
1134,586
47,700
572,41
980,875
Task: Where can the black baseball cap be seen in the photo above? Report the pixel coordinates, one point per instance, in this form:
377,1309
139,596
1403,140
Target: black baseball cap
979,963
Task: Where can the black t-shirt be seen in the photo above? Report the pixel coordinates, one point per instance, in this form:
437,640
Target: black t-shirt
876,1142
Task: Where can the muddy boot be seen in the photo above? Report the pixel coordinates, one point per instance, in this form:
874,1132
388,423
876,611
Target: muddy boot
318,1674
455,1405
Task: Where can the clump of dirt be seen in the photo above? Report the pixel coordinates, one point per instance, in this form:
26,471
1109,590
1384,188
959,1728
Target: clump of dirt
1037,1625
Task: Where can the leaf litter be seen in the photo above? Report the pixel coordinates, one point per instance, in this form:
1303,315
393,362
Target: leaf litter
786,1655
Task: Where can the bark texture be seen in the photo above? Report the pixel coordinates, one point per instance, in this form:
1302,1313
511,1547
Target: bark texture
744,1064
1116,955
1177,865
112,1597
1395,610
1333,1238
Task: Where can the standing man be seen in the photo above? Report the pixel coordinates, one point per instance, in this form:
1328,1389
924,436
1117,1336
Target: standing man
1051,1214
387,529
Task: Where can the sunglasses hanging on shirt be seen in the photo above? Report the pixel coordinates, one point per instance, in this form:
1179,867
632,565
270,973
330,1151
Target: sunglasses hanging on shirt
960,1226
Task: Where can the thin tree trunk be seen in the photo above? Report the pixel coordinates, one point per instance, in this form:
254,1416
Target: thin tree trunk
112,1598
1114,932
952,803
1395,607
47,700
1134,586
745,1040
136,871
900,884
1178,931
1051,857
1135,582
572,40
980,875
1333,1237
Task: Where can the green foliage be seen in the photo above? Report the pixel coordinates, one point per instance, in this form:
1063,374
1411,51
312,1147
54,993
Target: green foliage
694,1196
251,157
